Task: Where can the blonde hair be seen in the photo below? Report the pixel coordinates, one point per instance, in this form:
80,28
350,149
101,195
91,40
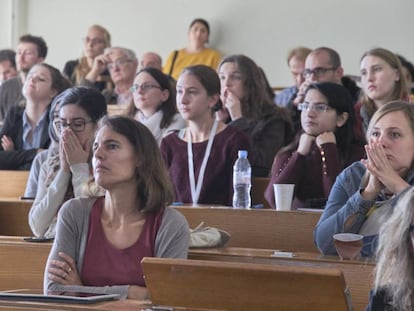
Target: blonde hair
300,53
405,107
82,69
394,271
400,90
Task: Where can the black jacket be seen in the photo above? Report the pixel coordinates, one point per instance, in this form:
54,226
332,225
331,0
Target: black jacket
19,159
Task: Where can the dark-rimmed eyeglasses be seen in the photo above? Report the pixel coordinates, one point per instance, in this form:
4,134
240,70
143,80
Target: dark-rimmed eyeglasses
143,87
318,108
76,125
318,71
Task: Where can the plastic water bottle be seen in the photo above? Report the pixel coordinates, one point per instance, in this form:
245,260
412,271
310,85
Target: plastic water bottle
242,174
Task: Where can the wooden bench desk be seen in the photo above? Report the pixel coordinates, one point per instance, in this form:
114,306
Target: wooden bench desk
119,305
262,228
243,286
13,183
14,217
358,273
22,263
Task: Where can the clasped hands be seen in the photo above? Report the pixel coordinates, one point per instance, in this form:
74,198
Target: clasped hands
71,150
381,173
306,140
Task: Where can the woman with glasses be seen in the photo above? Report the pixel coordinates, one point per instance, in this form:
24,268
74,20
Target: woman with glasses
200,157
96,41
362,197
100,242
195,53
248,106
25,129
65,175
394,271
382,80
323,148
154,103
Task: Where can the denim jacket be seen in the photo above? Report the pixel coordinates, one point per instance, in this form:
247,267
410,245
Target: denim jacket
345,204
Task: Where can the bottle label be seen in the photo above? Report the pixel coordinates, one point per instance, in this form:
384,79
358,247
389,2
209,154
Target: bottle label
241,178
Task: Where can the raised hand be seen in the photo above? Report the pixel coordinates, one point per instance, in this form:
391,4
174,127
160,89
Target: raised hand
74,151
305,143
383,174
232,103
324,138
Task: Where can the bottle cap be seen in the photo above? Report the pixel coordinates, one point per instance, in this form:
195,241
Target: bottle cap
242,153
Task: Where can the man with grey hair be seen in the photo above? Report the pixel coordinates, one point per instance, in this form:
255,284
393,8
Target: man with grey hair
152,60
122,64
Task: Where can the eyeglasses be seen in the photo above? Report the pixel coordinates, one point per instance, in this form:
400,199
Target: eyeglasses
118,63
317,107
318,71
93,41
143,87
77,125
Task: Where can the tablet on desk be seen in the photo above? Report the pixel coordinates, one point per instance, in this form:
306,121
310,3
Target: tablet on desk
37,295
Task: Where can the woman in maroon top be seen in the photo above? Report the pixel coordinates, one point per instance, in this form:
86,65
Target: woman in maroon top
323,148
100,242
200,157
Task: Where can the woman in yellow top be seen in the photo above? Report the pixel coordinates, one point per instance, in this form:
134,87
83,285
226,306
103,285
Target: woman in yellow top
195,53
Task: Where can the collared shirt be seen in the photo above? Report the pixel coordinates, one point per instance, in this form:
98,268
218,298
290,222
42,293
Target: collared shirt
123,98
33,136
284,97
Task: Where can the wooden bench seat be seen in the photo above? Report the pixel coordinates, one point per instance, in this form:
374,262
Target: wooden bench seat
358,273
243,286
264,228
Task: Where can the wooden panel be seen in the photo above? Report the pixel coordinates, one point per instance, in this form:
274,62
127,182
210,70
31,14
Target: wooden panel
259,185
289,231
358,273
22,263
14,218
13,183
241,286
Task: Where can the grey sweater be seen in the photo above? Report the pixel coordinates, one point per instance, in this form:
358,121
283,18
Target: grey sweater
72,228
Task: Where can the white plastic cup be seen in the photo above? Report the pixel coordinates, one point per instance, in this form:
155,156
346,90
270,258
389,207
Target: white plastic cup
283,196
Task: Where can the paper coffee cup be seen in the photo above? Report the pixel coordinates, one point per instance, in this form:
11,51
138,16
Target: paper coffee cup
283,196
348,245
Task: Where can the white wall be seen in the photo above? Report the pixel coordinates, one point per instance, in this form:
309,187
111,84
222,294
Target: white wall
262,29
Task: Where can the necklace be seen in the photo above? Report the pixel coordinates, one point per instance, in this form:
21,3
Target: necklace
196,187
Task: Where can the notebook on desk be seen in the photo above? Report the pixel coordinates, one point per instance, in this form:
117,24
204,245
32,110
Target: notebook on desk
37,295
244,286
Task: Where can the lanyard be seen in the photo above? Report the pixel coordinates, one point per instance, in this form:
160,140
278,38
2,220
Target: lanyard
196,189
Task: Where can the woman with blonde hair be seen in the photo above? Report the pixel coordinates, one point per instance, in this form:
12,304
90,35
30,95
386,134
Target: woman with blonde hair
363,194
394,272
382,80
96,41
